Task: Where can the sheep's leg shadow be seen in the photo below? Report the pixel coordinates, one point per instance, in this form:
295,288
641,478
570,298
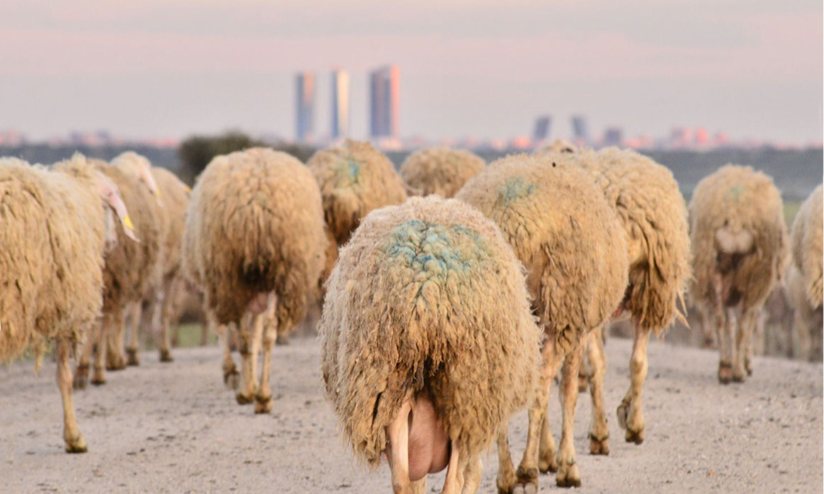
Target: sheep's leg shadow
631,412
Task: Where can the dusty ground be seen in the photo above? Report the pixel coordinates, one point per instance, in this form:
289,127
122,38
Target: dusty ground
174,428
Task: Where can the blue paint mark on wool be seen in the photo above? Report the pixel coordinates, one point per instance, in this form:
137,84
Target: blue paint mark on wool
515,188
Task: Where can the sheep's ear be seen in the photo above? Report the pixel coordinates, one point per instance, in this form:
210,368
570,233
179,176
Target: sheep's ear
110,229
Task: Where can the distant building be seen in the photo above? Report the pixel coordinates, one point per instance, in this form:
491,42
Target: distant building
304,106
340,104
613,136
383,102
542,128
580,129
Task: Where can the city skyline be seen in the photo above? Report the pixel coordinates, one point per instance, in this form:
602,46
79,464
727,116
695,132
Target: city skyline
340,104
752,69
304,106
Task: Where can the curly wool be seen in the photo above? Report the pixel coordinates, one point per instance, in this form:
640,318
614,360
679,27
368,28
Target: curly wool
440,171
807,246
427,296
51,253
354,179
745,202
564,232
257,221
654,215
175,197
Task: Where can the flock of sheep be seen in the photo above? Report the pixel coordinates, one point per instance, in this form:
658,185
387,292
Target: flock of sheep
441,315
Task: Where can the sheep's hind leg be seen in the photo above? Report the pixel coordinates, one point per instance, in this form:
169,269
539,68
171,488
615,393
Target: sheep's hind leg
547,451
249,345
231,377
81,375
568,475
115,331
630,412
453,484
263,398
472,475
599,432
134,314
398,435
164,316
98,373
71,433
741,364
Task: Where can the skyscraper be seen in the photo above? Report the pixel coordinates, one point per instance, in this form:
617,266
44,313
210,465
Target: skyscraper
580,130
384,101
340,104
542,128
304,106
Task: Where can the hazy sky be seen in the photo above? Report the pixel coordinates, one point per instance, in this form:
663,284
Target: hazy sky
147,68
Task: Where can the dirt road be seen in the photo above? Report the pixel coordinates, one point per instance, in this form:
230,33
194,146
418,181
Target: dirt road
175,428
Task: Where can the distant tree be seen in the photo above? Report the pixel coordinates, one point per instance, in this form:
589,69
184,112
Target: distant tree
197,151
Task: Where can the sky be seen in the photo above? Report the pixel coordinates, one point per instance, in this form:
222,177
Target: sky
481,68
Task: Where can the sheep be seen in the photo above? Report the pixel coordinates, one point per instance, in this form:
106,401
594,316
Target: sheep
558,146
653,214
158,306
804,285
56,225
740,248
130,269
441,171
255,238
428,344
573,247
354,179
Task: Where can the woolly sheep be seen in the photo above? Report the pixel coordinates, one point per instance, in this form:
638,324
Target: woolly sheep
427,315
573,247
654,217
354,179
130,269
157,310
740,248
54,232
440,171
804,288
558,146
258,245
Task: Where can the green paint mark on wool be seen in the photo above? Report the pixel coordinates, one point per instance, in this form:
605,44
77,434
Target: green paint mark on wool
515,188
735,192
347,172
434,251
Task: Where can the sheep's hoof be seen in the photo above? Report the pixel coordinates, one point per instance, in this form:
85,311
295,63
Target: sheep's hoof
263,404
115,363
599,446
622,411
76,445
527,481
568,477
166,356
98,378
281,340
636,437
243,399
81,376
231,378
748,366
131,357
724,372
547,463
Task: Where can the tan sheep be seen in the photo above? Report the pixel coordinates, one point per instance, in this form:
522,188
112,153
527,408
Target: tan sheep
55,230
558,146
354,179
130,269
573,247
428,341
740,249
156,311
654,216
258,247
804,288
440,171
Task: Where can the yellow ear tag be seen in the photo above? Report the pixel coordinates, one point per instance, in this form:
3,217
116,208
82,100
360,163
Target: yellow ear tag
127,222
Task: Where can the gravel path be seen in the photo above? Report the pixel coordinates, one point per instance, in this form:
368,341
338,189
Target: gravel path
175,428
